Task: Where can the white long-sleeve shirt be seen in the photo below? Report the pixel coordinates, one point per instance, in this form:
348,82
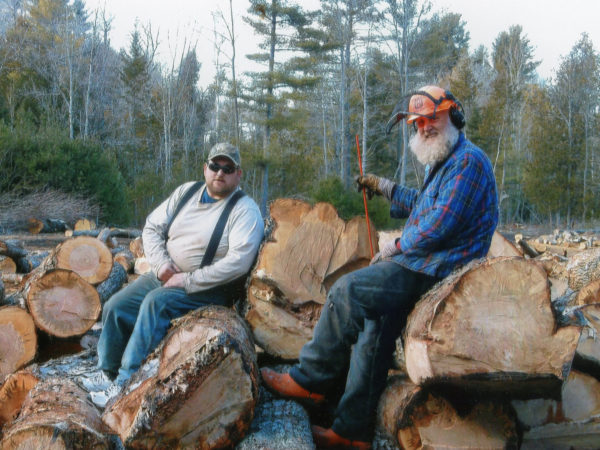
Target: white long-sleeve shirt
190,233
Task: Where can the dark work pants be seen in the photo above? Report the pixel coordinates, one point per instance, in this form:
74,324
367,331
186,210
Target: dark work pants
354,341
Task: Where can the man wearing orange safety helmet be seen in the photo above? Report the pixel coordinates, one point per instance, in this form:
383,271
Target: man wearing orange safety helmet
451,219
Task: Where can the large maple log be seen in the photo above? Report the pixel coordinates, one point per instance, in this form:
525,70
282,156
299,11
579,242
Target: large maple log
18,340
309,248
56,414
569,422
198,389
88,257
61,302
417,418
13,391
490,325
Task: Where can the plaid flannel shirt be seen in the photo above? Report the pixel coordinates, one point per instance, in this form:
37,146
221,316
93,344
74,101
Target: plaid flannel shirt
452,218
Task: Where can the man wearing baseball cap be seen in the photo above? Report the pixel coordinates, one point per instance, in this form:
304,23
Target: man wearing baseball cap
201,243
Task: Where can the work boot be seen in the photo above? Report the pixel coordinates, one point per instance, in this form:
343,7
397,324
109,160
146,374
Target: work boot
327,438
284,385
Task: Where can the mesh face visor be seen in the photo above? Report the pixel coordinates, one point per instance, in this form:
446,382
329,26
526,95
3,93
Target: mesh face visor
407,108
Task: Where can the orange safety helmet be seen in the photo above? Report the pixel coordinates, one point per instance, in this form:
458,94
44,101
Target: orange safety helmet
426,102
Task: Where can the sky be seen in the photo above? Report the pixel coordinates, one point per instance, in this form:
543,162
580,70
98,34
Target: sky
552,26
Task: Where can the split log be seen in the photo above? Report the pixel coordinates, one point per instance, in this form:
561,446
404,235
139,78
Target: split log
36,226
18,340
141,266
126,259
7,265
84,224
198,389
136,247
589,294
114,282
88,257
583,268
56,415
61,302
13,392
491,326
570,422
309,248
500,246
417,418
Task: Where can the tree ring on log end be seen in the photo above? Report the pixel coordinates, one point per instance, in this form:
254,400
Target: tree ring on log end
89,257
18,341
63,304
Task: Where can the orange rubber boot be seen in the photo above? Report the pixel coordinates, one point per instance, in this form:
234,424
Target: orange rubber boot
284,385
327,438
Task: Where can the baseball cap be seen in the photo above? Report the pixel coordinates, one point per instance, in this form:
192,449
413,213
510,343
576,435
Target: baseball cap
226,150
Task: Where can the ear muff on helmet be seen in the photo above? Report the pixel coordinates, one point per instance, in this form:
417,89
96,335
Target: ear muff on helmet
457,116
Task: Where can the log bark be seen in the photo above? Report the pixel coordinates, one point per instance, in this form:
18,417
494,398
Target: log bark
56,415
12,248
126,259
307,251
61,302
500,246
37,226
490,326
13,392
136,247
7,265
18,339
88,257
114,282
583,268
198,389
31,261
570,422
417,418
278,423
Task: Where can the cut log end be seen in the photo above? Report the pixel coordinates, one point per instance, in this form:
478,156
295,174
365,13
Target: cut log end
88,257
13,392
18,339
62,303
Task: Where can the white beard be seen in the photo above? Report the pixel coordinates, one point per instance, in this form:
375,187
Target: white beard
430,151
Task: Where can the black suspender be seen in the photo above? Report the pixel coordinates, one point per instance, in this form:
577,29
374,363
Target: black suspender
217,233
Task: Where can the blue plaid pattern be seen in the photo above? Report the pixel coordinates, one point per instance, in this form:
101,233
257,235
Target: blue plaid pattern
452,218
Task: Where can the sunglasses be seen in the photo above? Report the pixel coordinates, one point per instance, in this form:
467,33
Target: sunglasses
226,168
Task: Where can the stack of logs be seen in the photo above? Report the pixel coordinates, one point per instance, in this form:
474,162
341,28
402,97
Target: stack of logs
501,354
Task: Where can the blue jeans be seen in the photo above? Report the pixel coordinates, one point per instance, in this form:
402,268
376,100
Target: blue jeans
135,320
354,341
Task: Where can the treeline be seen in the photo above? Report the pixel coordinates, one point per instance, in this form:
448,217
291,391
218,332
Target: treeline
67,96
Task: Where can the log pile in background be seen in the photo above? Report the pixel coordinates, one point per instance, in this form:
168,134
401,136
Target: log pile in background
308,249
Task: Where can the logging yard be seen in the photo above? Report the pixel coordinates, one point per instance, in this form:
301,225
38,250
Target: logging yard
503,353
